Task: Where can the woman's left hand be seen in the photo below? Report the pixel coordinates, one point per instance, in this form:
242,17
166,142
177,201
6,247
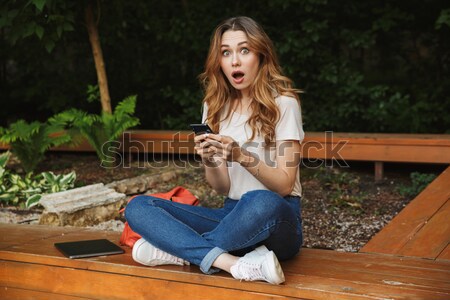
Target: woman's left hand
225,147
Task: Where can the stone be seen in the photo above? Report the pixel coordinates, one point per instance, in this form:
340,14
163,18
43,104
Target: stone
168,176
136,185
83,206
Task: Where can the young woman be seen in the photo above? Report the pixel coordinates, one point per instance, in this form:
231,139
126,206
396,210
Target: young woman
253,159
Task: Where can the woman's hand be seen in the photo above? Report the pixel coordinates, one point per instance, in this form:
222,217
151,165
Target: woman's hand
202,147
225,147
210,148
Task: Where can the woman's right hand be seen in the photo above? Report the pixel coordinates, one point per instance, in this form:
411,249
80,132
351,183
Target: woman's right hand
203,147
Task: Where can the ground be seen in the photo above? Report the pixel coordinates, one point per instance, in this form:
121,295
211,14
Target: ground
342,207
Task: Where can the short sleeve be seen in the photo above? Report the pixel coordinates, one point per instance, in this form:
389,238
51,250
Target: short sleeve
290,125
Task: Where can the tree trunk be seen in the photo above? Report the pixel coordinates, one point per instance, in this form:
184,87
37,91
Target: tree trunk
98,58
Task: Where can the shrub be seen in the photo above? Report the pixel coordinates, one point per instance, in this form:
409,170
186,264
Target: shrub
27,191
30,141
99,130
419,181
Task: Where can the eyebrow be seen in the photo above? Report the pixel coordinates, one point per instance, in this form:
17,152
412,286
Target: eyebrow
241,43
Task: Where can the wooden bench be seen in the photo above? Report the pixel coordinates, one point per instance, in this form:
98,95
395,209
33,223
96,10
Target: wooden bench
31,268
317,146
337,147
422,228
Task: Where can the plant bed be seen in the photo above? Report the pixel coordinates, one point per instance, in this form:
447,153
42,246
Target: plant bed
342,207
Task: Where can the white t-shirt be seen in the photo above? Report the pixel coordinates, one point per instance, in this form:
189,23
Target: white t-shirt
289,127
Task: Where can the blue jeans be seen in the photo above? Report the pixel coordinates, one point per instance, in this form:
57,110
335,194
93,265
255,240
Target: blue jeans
199,234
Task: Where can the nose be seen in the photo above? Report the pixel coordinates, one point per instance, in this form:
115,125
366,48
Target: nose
235,60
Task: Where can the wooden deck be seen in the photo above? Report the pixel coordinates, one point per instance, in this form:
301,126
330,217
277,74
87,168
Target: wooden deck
422,228
408,259
31,268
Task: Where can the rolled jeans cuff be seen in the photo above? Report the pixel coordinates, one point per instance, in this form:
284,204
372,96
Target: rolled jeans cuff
205,265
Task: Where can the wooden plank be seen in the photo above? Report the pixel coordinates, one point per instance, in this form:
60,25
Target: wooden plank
445,254
380,138
12,234
412,218
432,238
102,285
94,285
373,269
314,274
421,148
8,293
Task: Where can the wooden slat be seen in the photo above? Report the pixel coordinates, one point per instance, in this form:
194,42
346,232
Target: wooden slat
371,270
314,274
105,285
11,235
432,238
421,148
404,227
8,293
445,254
94,285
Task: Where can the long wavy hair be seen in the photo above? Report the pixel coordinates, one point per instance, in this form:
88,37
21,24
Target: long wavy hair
269,82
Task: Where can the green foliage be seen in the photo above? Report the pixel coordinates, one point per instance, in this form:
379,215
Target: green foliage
100,131
46,20
419,181
28,190
30,141
444,19
367,66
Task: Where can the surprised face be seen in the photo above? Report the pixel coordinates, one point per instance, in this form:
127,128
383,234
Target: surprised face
238,62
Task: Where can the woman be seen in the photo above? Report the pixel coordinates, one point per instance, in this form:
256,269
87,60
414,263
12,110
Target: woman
253,159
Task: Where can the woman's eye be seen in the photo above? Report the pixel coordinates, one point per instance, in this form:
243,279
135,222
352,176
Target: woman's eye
225,52
245,51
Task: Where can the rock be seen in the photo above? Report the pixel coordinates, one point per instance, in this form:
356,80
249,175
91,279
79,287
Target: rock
168,176
84,206
136,185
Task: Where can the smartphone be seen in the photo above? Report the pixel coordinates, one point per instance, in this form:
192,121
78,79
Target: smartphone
201,128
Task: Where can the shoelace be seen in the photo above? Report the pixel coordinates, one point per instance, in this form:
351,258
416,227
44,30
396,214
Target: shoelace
164,257
250,271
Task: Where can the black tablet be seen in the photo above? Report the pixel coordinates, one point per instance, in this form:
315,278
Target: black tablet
88,248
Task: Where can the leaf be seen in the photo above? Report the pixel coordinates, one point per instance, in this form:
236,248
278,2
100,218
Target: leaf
59,31
49,45
7,197
39,30
68,27
33,200
49,177
4,157
39,4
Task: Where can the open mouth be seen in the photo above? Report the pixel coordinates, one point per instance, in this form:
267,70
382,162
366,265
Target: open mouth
237,75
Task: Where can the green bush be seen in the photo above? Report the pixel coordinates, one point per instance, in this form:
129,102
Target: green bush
30,141
100,131
419,181
26,191
367,66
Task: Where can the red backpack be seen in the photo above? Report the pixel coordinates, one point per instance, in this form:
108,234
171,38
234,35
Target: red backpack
177,194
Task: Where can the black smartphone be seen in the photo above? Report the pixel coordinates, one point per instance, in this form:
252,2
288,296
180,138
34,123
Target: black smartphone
201,128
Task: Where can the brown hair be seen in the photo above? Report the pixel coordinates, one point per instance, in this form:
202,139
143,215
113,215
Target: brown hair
268,83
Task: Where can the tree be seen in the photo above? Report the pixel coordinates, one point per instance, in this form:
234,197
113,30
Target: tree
48,20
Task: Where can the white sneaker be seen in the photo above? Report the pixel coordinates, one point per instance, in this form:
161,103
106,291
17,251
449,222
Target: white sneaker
261,250
258,265
147,254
